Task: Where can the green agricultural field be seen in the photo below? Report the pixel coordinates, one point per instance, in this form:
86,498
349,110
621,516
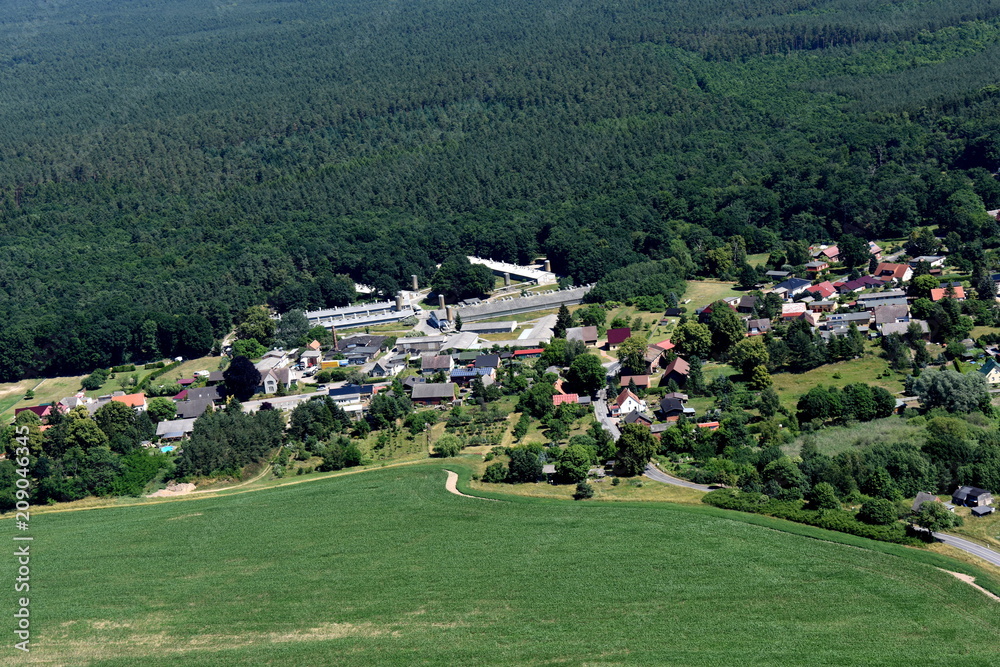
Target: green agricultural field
386,567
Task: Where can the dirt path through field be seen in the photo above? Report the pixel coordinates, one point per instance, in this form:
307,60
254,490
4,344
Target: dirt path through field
451,485
972,582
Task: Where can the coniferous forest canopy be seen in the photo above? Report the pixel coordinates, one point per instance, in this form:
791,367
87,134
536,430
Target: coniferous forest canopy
164,165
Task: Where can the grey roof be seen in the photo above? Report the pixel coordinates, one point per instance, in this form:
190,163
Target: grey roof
487,361
204,393
360,340
488,327
891,313
463,340
794,284
174,426
581,333
434,362
434,390
875,296
902,328
192,409
543,301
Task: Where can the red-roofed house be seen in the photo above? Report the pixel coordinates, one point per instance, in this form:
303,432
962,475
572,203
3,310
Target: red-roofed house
43,411
618,336
677,370
831,253
182,396
873,249
664,345
824,290
887,272
641,381
559,399
626,403
792,311
711,426
185,381
941,292
528,354
134,401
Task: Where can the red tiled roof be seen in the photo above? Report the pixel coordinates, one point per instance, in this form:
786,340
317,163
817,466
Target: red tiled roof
824,289
534,350
939,293
678,365
640,380
618,336
664,345
131,400
559,399
622,397
885,271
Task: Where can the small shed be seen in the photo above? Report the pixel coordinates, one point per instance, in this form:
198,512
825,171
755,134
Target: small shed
983,511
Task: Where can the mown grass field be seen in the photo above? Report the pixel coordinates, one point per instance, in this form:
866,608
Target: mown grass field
385,567
704,292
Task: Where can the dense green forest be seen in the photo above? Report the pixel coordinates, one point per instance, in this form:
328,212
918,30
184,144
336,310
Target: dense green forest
166,165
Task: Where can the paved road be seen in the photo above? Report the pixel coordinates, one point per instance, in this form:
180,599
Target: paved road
658,475
969,547
604,417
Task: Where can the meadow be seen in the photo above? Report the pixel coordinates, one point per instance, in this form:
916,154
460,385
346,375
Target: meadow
386,567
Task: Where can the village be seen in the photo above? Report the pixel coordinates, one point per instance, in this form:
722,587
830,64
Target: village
443,356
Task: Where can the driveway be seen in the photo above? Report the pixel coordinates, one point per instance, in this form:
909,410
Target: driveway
658,475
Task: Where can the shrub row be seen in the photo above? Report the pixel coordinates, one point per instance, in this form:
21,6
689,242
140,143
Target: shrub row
148,380
158,364
793,510
126,368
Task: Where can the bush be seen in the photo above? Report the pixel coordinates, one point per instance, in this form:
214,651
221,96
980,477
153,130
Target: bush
583,491
495,473
793,510
95,380
878,512
447,445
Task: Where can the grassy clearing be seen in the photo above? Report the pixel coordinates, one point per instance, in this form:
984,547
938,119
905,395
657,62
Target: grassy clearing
50,390
791,386
836,439
384,566
704,292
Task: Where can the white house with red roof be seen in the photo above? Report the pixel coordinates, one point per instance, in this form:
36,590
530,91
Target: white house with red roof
626,403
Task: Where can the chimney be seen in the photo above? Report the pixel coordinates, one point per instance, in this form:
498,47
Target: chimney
441,301
414,279
548,266
506,280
